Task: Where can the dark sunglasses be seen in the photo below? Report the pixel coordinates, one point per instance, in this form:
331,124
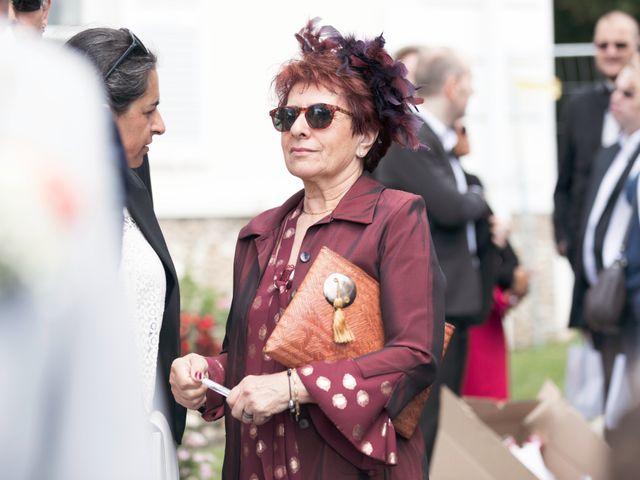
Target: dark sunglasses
618,45
318,116
135,43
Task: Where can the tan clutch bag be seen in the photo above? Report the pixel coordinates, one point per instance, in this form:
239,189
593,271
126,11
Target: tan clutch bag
312,329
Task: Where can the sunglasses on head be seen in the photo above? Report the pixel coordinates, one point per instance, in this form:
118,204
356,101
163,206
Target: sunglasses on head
617,45
135,43
318,116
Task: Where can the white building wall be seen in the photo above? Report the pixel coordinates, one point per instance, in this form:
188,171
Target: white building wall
220,155
221,158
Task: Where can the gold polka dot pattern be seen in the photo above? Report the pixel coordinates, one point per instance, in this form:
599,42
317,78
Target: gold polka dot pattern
367,448
339,401
262,333
257,303
294,464
323,383
362,398
349,382
260,447
280,471
386,388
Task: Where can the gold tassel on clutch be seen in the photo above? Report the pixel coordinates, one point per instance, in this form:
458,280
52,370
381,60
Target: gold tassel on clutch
341,331
306,332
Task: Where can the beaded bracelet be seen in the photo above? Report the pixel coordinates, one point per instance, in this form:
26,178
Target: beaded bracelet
295,399
294,404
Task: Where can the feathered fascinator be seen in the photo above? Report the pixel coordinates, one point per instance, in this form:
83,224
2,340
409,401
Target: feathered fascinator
393,95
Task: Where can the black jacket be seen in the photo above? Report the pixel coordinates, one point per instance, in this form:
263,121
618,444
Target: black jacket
428,173
580,140
601,164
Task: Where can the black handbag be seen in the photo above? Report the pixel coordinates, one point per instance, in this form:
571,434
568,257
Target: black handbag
604,301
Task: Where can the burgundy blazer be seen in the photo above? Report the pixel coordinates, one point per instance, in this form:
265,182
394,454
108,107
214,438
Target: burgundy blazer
386,233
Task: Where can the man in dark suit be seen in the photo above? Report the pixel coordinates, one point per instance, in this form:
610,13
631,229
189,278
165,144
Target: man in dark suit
588,125
457,211
607,212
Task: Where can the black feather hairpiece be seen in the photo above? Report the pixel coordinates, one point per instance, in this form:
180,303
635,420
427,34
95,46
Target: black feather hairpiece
394,96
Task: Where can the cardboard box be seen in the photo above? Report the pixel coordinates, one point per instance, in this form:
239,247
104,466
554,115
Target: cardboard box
469,443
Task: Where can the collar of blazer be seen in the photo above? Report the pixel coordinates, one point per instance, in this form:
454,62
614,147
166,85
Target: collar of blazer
138,202
358,205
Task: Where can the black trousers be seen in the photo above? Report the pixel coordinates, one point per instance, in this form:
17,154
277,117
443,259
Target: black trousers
451,374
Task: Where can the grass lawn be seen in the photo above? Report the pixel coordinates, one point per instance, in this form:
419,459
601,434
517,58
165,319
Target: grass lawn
532,366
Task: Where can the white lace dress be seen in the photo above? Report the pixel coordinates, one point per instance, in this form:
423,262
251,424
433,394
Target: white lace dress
146,285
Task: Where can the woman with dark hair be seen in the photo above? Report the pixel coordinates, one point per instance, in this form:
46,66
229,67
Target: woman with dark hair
32,13
128,69
340,107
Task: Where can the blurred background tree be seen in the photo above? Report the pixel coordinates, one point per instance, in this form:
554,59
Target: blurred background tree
574,20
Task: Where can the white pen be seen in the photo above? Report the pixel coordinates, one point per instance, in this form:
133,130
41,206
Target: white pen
216,387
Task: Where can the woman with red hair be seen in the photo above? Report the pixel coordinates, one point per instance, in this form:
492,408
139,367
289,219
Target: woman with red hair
340,107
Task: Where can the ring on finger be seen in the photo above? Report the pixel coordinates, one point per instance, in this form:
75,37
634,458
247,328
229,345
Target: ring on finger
247,416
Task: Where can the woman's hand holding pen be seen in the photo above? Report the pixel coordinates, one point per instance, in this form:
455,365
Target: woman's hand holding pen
186,380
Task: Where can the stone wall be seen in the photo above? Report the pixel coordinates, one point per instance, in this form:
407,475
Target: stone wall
542,315
205,249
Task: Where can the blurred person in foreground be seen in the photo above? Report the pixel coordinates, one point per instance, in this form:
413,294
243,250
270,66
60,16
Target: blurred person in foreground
457,211
64,362
588,125
632,255
339,108
31,13
128,70
606,217
624,462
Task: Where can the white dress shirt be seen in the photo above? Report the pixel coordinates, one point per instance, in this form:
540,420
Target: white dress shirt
610,127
